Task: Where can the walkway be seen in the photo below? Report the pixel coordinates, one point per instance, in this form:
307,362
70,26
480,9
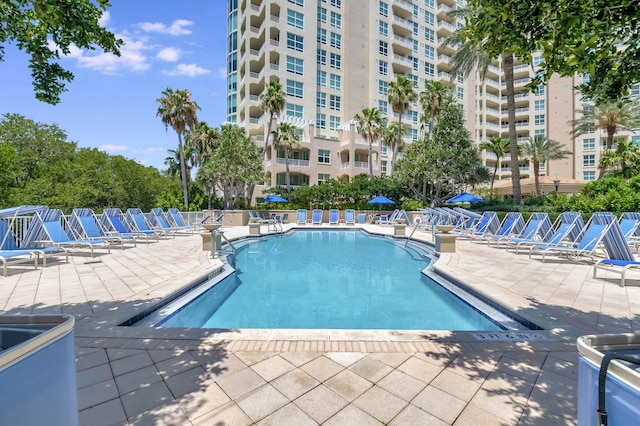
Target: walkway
139,376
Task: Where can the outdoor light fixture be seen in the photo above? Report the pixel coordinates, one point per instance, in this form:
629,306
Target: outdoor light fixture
556,183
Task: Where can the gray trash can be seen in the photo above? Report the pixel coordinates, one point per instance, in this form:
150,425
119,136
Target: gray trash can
38,370
621,379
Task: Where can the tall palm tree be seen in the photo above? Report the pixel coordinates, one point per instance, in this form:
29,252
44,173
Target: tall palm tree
608,116
203,140
624,161
400,95
286,138
498,146
432,100
178,110
272,100
388,136
541,149
369,126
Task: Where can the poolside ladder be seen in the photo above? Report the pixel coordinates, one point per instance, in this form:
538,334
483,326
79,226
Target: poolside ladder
233,249
415,227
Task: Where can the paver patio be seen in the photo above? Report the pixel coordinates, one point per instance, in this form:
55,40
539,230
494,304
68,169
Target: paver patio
136,376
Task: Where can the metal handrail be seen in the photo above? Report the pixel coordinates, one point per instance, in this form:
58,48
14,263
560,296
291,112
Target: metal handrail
233,249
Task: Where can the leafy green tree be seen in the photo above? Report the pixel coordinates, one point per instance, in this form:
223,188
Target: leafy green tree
608,116
287,139
202,140
273,100
498,146
541,149
400,95
34,25
178,110
622,161
369,126
432,100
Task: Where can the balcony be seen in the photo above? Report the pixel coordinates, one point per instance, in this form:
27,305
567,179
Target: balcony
293,162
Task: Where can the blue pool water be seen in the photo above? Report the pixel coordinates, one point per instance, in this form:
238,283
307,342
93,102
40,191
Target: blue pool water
322,279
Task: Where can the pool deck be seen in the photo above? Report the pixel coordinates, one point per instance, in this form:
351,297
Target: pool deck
268,377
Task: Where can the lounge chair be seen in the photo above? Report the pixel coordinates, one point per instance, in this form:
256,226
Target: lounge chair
511,226
487,225
47,227
589,243
158,219
556,238
8,257
316,218
136,220
175,217
113,224
84,226
387,219
334,216
349,217
301,217
621,258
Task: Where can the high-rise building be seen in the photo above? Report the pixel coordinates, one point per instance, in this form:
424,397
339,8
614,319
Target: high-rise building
336,57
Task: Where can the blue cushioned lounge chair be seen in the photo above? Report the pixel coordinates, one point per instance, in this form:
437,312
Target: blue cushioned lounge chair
316,217
589,243
349,217
621,258
334,216
112,222
301,217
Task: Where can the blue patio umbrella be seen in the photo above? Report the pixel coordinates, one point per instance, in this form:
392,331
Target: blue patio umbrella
274,198
381,199
465,197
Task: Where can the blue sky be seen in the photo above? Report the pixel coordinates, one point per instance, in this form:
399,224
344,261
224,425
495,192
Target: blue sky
111,104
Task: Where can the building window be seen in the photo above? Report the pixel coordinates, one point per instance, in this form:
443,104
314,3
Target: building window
412,134
416,29
335,81
414,79
460,92
295,110
383,86
538,119
383,29
539,91
323,177
295,19
336,40
321,121
589,176
429,3
384,9
297,2
295,65
429,52
335,60
429,35
334,102
335,20
383,168
321,57
322,36
429,18
589,144
336,3
415,64
539,132
416,46
322,78
383,48
295,42
384,149
321,100
429,69
324,156
537,60
589,160
635,90
295,88
334,122
538,105
322,15
412,116
383,67
383,106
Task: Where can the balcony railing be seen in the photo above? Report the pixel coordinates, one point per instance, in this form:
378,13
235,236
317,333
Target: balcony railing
293,162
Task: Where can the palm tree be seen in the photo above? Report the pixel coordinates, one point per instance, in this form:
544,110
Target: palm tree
369,126
272,101
388,136
498,146
477,175
400,95
178,110
287,139
540,149
607,116
203,140
624,160
432,101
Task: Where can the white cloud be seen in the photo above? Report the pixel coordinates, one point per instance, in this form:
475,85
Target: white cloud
169,54
110,149
104,19
176,28
189,70
150,150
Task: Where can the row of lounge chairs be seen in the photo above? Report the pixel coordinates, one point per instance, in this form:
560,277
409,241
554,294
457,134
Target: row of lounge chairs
334,217
605,239
31,233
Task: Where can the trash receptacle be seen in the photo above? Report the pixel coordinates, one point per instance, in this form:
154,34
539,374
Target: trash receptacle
362,217
38,370
621,379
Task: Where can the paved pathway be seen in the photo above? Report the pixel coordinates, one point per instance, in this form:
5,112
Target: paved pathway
139,376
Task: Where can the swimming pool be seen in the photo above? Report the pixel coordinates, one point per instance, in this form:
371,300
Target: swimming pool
329,279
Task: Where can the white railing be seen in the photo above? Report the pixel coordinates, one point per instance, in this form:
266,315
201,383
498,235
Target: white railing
293,162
